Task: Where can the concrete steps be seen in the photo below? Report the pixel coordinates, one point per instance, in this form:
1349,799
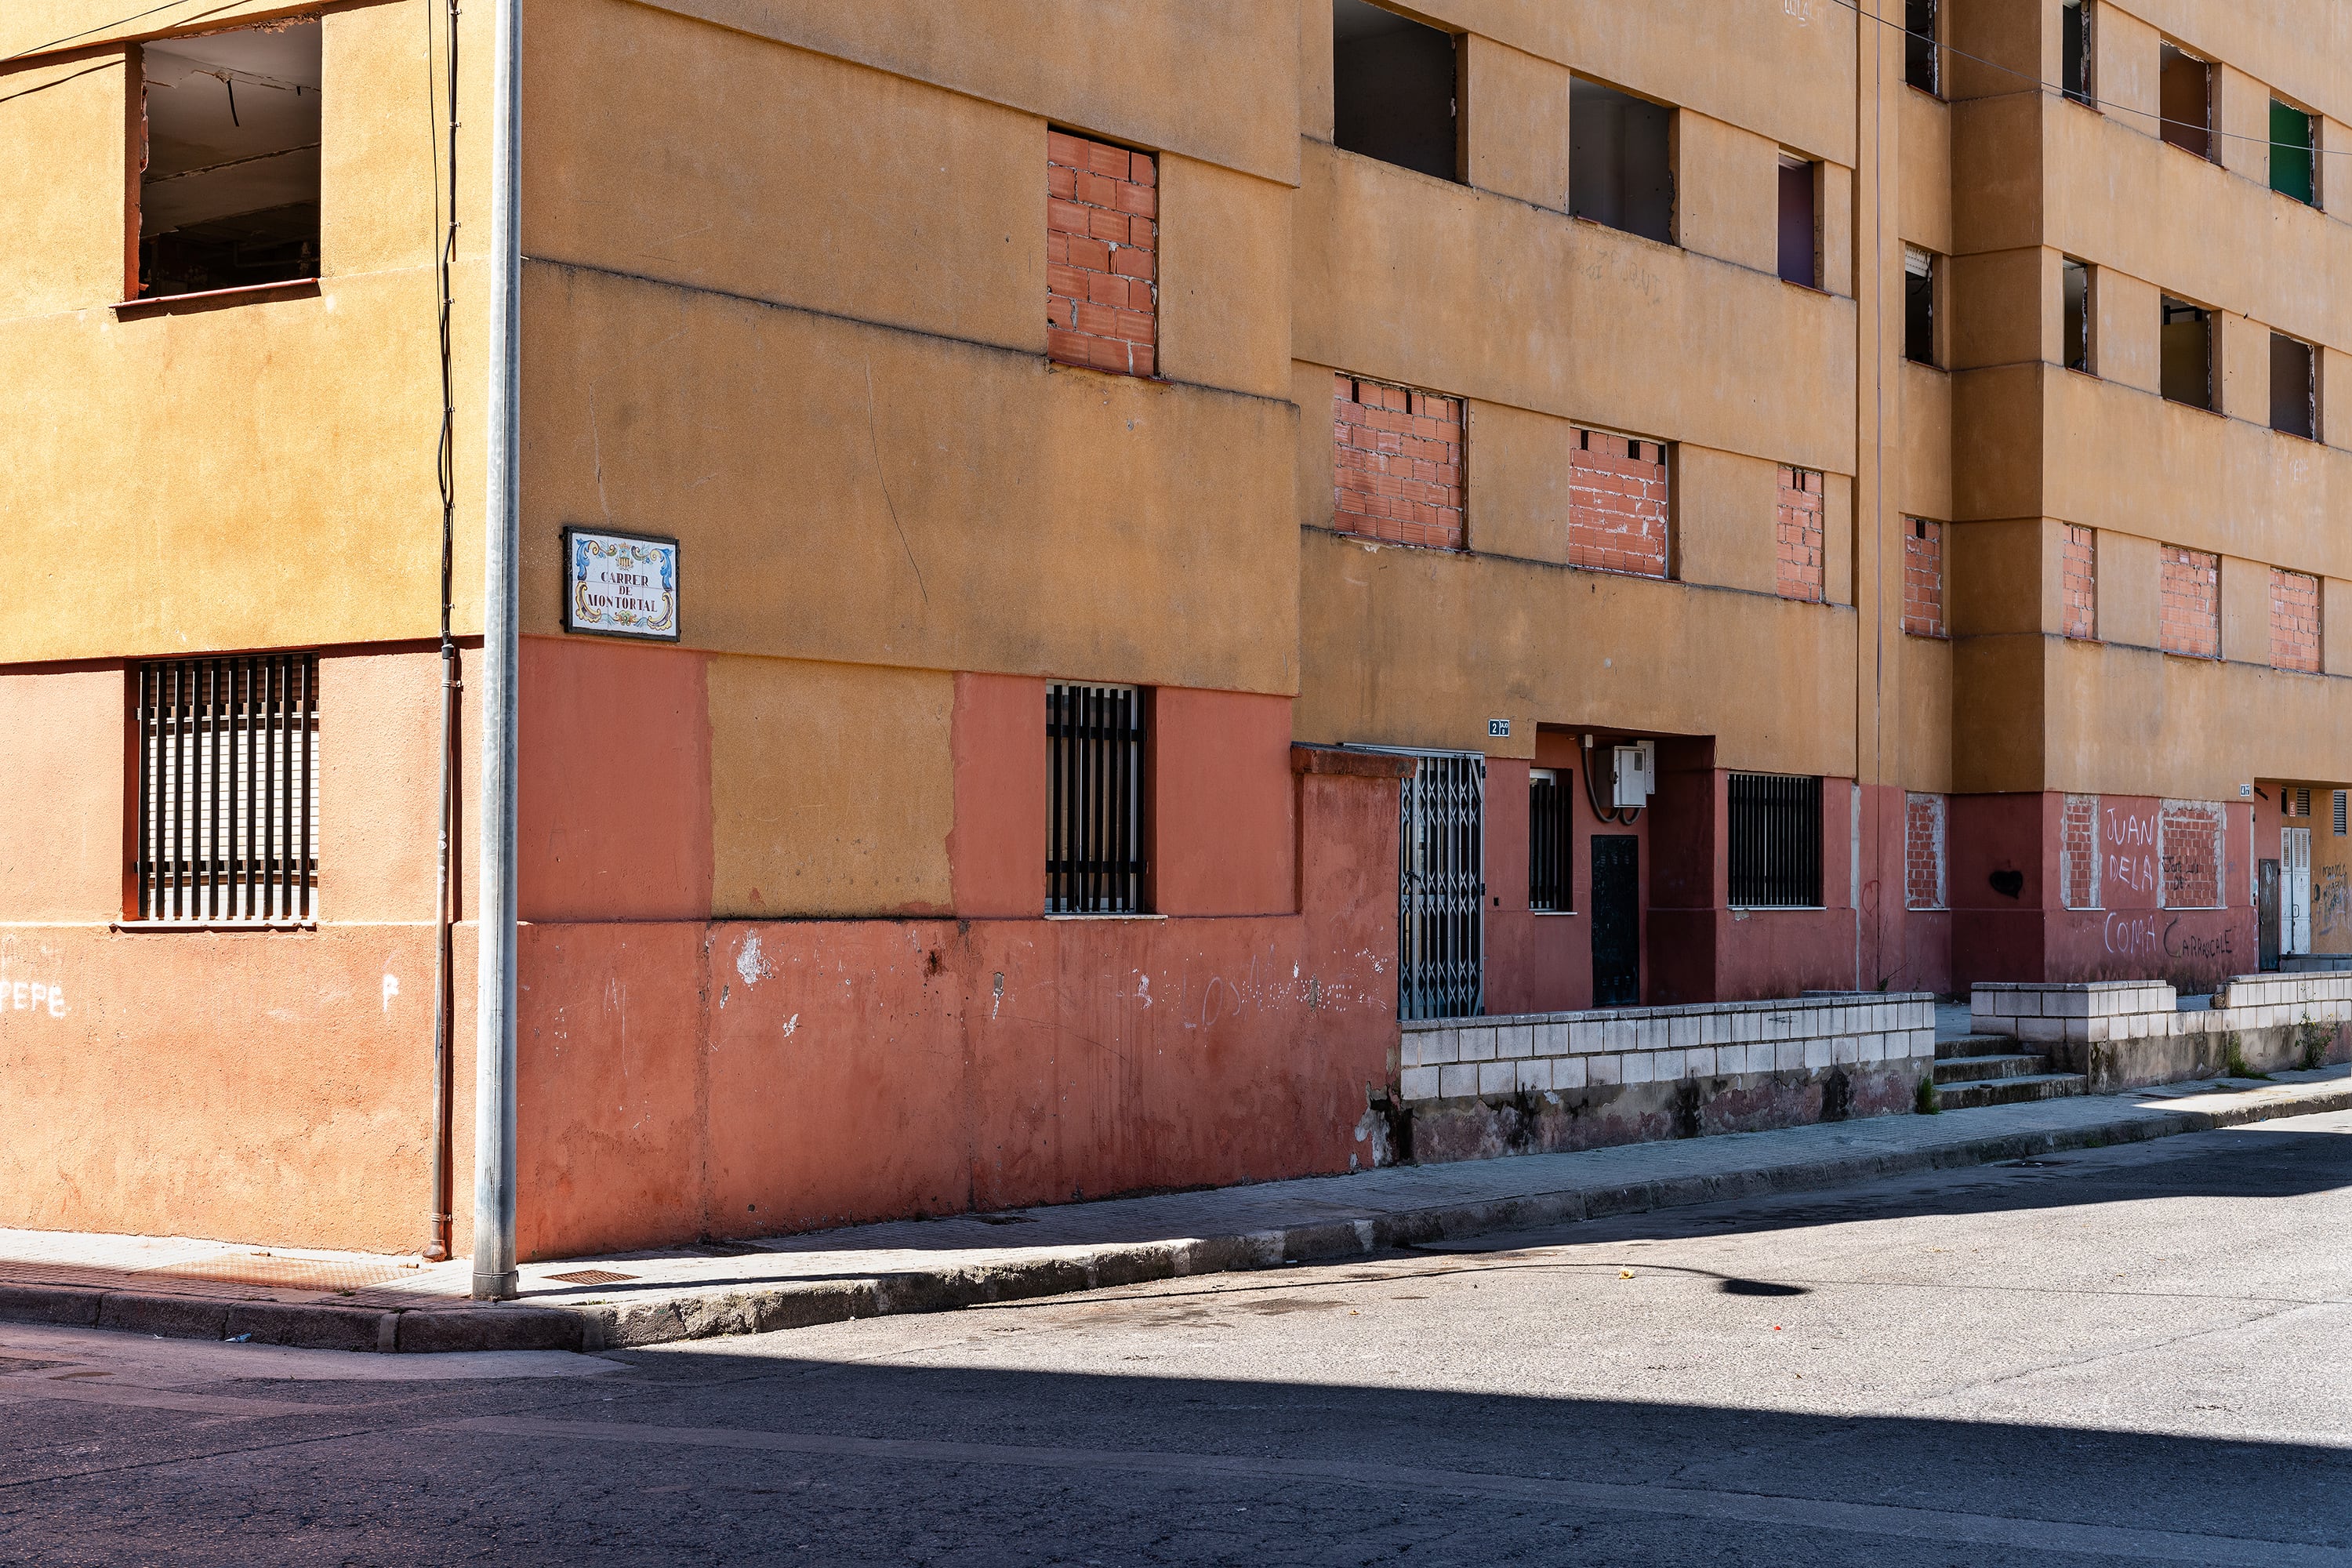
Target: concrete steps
1989,1069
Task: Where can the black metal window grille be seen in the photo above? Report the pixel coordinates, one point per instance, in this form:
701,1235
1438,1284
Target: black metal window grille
1094,836
228,789
1551,849
1776,842
1442,888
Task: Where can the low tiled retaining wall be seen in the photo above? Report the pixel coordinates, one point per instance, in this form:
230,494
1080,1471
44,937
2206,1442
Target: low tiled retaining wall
1474,1088
2130,1034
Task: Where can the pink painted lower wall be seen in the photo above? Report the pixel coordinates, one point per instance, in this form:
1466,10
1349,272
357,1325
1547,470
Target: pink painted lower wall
734,1078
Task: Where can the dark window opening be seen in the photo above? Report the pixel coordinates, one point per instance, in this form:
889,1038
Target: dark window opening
1918,307
2075,277
1392,89
227,818
2187,354
2293,410
1921,67
2185,100
2074,49
1094,835
1775,842
2294,152
1621,161
1801,241
229,184
1550,842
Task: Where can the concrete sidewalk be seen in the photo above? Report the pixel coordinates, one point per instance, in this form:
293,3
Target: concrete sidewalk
345,1301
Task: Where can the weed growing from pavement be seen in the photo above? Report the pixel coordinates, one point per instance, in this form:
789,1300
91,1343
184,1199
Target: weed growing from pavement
2312,1041
2233,1062
1927,1102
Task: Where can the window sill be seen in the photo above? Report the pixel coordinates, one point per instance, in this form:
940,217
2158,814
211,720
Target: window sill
1562,913
215,299
1136,917
146,928
1775,909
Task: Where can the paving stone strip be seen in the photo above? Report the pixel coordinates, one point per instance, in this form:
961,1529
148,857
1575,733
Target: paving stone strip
193,1290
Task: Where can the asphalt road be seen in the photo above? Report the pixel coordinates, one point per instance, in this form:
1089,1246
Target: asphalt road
2130,1355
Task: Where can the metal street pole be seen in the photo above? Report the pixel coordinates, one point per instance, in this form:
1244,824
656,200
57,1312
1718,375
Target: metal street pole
494,1051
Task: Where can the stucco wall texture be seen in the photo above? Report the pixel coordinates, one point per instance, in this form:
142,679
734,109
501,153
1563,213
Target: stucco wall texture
785,302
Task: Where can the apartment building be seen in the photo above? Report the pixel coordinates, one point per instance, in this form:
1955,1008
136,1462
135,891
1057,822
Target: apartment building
1504,511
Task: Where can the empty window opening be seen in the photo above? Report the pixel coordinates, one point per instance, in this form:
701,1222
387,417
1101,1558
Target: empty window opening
1801,228
2074,51
1923,579
1392,89
2185,100
1621,161
1920,64
228,184
227,820
2075,279
2187,354
1093,835
1775,841
2293,389
1550,842
2294,152
1617,504
1918,306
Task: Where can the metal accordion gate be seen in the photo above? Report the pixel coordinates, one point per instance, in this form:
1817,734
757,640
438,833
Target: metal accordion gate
1441,888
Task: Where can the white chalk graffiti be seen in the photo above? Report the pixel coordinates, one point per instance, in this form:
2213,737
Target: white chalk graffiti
26,996
2135,936
2131,849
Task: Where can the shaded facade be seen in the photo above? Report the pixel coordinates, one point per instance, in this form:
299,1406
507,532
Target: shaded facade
1200,527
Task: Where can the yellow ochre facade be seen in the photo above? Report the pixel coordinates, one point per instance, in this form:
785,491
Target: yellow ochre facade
1788,412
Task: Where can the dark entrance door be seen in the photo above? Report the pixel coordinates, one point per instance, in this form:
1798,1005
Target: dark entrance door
1616,920
2266,915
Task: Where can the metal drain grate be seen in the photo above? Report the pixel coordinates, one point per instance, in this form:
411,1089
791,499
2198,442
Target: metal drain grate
592,1277
285,1273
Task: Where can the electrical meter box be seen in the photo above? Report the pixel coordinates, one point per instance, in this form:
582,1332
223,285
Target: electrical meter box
1637,774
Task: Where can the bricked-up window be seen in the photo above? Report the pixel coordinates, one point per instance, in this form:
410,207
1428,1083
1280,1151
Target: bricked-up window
1799,532
1775,841
1617,516
1394,94
1919,61
2078,851
2078,582
1801,234
2192,602
1621,161
2075,282
1923,579
2074,72
228,166
2186,354
2185,98
2189,839
1094,765
1923,851
2294,621
1551,842
1396,464
226,829
2294,390
2294,152
1102,251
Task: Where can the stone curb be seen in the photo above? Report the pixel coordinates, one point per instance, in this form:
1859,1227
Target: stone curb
697,1315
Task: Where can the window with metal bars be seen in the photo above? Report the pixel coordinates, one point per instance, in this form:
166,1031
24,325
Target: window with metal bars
1550,848
227,818
1094,830
1776,842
